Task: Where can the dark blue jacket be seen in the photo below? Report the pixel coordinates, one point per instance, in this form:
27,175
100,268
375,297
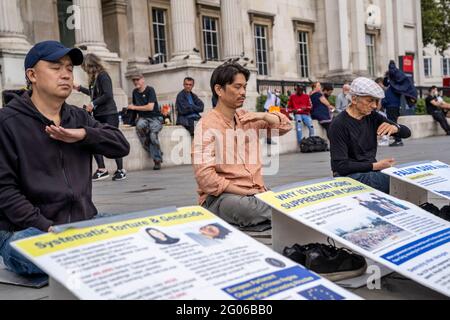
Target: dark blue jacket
391,99
187,111
319,111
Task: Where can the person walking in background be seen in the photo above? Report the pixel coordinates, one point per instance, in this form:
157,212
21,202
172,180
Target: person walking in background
300,105
103,108
189,106
322,109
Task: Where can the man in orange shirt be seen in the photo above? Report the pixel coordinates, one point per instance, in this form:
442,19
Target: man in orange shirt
226,146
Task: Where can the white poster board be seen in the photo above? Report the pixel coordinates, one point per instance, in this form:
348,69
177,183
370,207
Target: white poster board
186,253
433,176
391,232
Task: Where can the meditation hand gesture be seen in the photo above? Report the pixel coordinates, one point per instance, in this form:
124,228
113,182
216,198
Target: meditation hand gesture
66,135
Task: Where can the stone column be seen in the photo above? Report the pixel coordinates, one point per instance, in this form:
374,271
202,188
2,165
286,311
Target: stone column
183,27
387,32
419,73
231,29
90,33
116,27
358,36
336,13
12,37
398,28
138,35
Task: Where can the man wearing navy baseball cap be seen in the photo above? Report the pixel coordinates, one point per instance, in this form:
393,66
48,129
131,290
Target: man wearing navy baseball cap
47,148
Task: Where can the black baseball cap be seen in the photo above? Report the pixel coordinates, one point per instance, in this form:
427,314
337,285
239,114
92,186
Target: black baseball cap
52,51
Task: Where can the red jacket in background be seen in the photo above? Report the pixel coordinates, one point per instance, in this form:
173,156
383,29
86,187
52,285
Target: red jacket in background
300,104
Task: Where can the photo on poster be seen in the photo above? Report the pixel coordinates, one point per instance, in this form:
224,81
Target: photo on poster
210,234
380,205
369,232
160,237
444,193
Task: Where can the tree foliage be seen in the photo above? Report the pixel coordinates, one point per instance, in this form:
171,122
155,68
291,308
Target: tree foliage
436,23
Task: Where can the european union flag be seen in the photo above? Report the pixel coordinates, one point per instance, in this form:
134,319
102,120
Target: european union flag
320,293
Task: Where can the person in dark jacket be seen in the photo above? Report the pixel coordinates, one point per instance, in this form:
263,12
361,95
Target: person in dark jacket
391,103
322,109
103,107
189,106
46,153
354,133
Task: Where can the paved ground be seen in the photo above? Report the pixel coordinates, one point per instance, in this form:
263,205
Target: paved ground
176,187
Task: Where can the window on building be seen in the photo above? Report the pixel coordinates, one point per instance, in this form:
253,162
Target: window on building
261,49
65,21
210,38
159,34
427,65
446,66
303,44
371,54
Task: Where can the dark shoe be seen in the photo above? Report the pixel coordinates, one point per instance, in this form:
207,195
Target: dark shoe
330,262
157,165
431,208
445,213
396,144
100,175
120,175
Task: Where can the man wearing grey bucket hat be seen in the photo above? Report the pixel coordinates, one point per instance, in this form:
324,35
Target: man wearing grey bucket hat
353,137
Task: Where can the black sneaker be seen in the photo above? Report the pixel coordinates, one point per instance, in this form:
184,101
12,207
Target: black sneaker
431,208
157,165
445,213
330,262
119,175
100,175
396,144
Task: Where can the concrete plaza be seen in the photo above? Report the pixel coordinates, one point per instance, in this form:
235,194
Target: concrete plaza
176,187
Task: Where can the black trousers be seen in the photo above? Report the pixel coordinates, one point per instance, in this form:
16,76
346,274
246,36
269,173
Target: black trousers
440,117
393,113
112,120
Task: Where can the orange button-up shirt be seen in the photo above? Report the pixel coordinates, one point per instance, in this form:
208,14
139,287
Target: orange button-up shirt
227,152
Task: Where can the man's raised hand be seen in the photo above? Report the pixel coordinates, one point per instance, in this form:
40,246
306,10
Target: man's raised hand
65,135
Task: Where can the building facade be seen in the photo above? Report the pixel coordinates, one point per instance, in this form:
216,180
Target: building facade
167,40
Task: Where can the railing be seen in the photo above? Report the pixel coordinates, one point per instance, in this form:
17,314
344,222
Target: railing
284,86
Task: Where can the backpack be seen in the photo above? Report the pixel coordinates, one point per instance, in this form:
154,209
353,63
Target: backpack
313,144
129,117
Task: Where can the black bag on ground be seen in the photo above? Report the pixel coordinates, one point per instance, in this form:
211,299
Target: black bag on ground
313,144
129,117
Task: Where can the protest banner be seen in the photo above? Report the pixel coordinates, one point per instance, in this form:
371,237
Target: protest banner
185,253
389,231
412,181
